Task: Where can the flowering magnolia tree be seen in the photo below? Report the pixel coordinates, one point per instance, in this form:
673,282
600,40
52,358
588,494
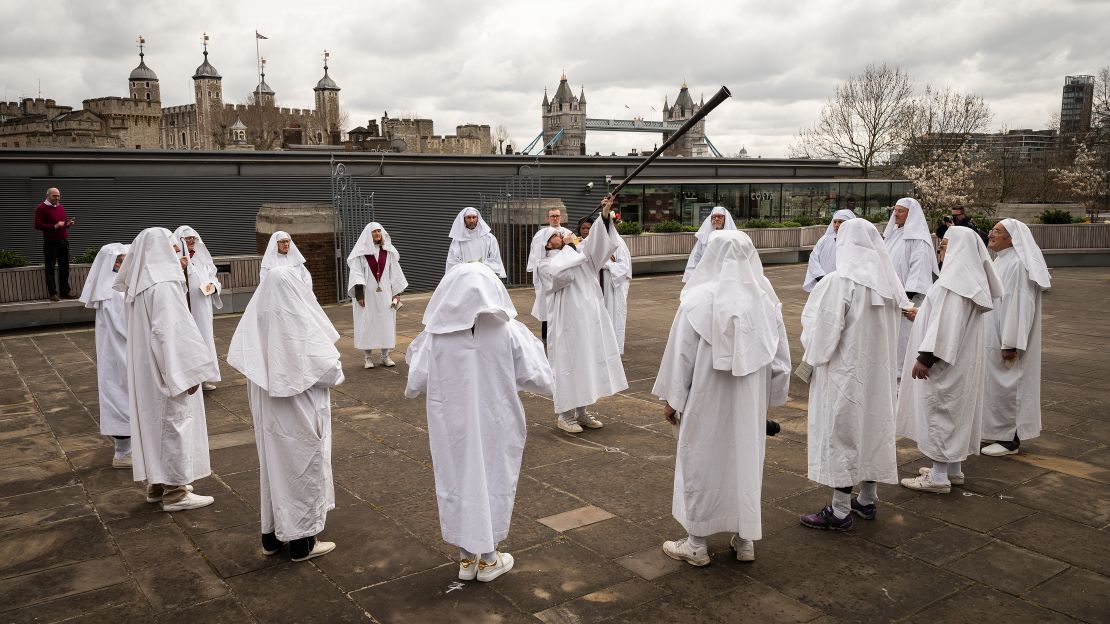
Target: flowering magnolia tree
1087,180
950,181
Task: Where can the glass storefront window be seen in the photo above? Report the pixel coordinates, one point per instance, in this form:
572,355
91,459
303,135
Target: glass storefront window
734,198
811,199
853,196
765,201
878,197
698,201
659,204
630,203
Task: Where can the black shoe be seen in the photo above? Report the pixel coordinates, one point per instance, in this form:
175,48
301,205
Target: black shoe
773,428
271,544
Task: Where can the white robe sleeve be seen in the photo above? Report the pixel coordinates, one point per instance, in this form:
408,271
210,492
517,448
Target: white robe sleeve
454,255
533,369
357,275
332,378
695,258
1018,317
599,245
780,368
676,369
949,314
397,281
621,268
823,320
561,269
920,256
417,358
815,270
493,257
180,353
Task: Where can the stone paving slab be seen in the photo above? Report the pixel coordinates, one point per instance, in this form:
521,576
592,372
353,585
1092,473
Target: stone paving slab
1027,538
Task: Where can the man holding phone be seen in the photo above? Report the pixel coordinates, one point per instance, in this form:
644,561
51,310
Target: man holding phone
51,220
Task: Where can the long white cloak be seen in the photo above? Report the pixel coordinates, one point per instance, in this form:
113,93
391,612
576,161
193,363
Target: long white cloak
293,436
851,344
1012,399
617,276
376,324
914,260
581,343
476,423
166,355
111,365
722,432
201,305
944,413
478,249
538,255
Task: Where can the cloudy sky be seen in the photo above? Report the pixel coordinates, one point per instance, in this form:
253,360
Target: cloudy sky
489,61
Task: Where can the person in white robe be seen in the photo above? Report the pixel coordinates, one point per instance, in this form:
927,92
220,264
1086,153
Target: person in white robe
822,260
850,336
285,346
910,245
375,284
282,251
582,346
1012,403
726,362
614,278
940,402
471,360
167,360
204,288
111,348
718,219
537,252
473,241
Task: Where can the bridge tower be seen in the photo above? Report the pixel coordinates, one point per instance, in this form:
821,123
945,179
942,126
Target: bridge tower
568,112
692,144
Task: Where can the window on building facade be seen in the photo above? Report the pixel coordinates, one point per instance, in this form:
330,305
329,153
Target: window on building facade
147,97
184,140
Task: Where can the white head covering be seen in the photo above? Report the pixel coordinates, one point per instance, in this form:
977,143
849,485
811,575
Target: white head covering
365,245
467,290
861,256
732,306
459,230
539,244
707,226
968,270
101,279
916,226
1028,252
200,250
151,260
272,259
284,343
843,215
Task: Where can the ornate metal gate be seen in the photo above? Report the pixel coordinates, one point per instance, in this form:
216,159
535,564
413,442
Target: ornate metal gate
353,210
515,212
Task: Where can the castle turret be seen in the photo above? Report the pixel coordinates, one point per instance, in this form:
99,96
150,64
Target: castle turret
327,104
210,104
142,84
263,94
567,113
691,144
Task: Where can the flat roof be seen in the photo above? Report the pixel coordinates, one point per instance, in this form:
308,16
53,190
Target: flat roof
800,180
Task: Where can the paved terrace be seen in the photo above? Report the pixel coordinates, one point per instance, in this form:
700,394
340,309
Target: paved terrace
1026,540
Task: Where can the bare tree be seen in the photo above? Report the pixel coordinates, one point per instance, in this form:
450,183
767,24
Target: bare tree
864,123
501,134
942,122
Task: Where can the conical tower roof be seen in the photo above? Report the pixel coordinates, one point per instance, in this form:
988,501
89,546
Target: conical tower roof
206,70
684,102
563,93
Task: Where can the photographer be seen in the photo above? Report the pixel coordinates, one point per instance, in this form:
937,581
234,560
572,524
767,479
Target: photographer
958,216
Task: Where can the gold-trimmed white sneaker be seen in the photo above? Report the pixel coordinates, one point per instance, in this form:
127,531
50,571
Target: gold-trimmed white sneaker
924,483
489,571
468,569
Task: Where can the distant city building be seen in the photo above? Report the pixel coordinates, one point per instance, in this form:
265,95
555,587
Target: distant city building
692,144
139,121
1075,104
1025,143
418,136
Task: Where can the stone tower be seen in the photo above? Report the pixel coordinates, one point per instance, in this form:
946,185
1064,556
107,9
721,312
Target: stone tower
210,104
142,84
568,112
262,92
327,104
692,144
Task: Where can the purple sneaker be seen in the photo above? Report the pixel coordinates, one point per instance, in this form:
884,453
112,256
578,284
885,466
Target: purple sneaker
867,512
826,520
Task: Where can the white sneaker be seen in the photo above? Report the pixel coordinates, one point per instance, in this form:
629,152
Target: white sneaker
158,499
997,450
954,479
321,548
682,550
569,427
191,501
924,483
745,548
489,571
589,421
388,362
122,462
209,386
368,362
468,569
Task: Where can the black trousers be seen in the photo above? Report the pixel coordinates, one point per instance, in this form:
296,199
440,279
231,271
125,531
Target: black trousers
56,252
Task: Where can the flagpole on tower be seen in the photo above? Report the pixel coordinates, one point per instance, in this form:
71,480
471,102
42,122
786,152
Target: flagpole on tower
261,63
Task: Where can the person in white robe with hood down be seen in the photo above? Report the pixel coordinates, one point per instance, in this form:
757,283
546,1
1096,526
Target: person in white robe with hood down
285,346
850,336
1012,404
537,251
726,362
471,360
282,251
473,241
940,402
167,360
718,219
822,260
111,348
375,285
204,288
910,245
615,278
582,346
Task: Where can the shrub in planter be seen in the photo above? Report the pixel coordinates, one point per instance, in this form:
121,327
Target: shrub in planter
665,227
629,228
877,217
803,220
1056,217
87,257
12,259
787,224
755,224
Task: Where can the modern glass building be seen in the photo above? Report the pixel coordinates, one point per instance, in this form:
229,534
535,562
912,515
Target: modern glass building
689,201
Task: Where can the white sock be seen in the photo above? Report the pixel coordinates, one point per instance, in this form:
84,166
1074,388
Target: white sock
369,353
868,493
841,504
939,473
695,541
955,468
580,412
465,554
567,416
123,447
490,557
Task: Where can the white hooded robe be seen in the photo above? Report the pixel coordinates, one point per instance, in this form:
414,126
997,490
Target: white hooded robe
272,259
822,260
111,340
202,271
915,262
538,253
471,360
702,239
376,323
477,245
616,278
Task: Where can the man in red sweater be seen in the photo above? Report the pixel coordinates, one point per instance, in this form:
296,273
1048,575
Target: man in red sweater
51,220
